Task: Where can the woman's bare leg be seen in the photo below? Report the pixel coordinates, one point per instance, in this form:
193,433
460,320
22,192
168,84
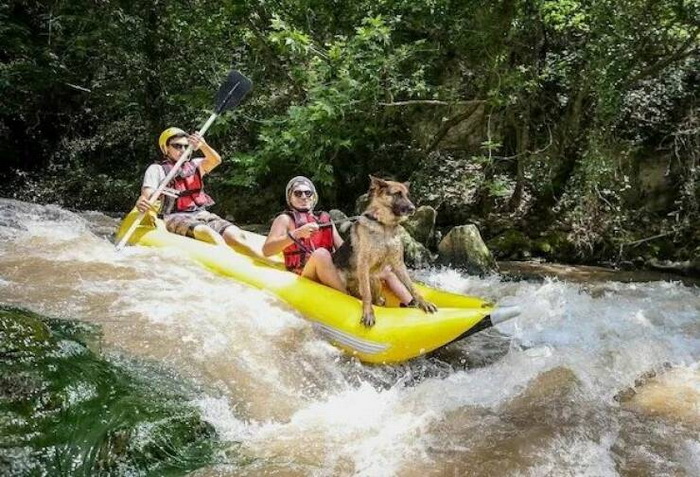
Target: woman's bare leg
236,237
395,285
320,268
207,234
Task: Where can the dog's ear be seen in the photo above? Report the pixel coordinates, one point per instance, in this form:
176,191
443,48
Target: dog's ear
407,184
376,182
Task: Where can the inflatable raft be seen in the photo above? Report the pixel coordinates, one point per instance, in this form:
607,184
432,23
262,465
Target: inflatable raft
399,333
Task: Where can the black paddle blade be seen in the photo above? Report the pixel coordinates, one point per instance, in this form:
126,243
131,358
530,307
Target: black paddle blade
232,91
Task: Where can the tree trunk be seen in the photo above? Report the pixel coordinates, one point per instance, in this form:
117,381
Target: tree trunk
523,150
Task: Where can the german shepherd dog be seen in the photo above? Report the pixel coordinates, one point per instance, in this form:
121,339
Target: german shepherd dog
374,244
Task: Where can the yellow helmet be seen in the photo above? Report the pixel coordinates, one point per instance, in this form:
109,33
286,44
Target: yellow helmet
168,134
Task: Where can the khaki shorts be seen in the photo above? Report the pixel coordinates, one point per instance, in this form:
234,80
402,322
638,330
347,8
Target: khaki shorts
183,223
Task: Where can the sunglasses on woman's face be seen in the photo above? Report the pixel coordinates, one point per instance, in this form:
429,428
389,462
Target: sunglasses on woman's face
178,146
302,193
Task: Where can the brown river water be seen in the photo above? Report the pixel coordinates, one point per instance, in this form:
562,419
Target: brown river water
597,377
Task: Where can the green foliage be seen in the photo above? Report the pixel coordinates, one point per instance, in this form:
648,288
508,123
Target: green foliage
347,88
338,110
593,205
565,16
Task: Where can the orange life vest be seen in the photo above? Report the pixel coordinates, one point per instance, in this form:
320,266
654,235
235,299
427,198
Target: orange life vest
188,184
297,254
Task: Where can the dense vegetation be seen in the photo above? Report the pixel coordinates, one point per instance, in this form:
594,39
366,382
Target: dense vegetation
561,127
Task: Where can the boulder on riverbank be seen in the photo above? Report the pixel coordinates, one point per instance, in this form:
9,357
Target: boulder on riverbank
361,203
690,268
421,225
415,253
464,247
512,245
341,222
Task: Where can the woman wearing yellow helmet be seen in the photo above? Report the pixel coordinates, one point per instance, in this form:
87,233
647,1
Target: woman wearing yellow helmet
185,202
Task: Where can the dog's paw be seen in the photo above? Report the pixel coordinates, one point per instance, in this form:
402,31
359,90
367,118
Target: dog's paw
380,301
426,306
368,319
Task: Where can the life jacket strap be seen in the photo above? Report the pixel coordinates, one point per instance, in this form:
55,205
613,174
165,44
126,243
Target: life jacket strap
302,248
171,192
188,192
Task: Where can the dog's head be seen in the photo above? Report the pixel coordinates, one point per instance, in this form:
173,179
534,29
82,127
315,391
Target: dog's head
391,196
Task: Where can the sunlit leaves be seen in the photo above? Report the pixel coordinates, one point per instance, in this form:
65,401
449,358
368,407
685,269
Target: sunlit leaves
342,81
297,42
563,15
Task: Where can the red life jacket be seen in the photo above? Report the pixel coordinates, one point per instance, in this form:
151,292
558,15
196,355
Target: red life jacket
188,184
297,254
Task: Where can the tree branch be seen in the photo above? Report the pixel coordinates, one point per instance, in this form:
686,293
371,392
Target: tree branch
680,53
452,122
527,151
432,102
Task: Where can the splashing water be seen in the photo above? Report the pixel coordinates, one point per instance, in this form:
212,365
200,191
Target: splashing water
592,379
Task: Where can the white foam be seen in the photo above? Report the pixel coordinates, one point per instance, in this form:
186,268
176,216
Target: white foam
363,425
299,399
580,456
219,414
691,456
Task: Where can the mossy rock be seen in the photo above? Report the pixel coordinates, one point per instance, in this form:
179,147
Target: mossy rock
415,253
542,247
512,244
22,332
561,248
421,226
341,223
69,410
464,247
361,203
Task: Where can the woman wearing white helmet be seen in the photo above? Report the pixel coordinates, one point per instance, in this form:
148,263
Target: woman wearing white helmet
307,239
185,202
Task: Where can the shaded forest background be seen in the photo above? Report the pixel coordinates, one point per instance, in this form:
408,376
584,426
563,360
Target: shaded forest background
565,129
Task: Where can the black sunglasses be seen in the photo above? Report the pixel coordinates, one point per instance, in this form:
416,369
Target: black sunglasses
302,193
178,146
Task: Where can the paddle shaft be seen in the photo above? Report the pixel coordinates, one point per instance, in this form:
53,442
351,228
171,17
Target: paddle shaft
173,172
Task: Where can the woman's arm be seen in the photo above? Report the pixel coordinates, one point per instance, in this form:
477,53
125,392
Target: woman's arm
279,237
277,240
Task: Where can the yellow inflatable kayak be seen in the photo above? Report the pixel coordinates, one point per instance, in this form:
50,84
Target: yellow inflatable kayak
399,333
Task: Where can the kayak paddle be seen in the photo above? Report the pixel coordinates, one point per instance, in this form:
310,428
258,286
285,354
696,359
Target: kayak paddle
229,96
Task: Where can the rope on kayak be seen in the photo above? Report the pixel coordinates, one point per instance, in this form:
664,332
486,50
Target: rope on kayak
340,221
300,244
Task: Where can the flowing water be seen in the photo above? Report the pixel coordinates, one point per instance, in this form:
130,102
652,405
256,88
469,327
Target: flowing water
598,378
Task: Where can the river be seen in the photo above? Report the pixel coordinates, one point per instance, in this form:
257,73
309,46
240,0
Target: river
599,378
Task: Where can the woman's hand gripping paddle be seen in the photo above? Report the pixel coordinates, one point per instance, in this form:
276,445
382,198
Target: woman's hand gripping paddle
229,96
